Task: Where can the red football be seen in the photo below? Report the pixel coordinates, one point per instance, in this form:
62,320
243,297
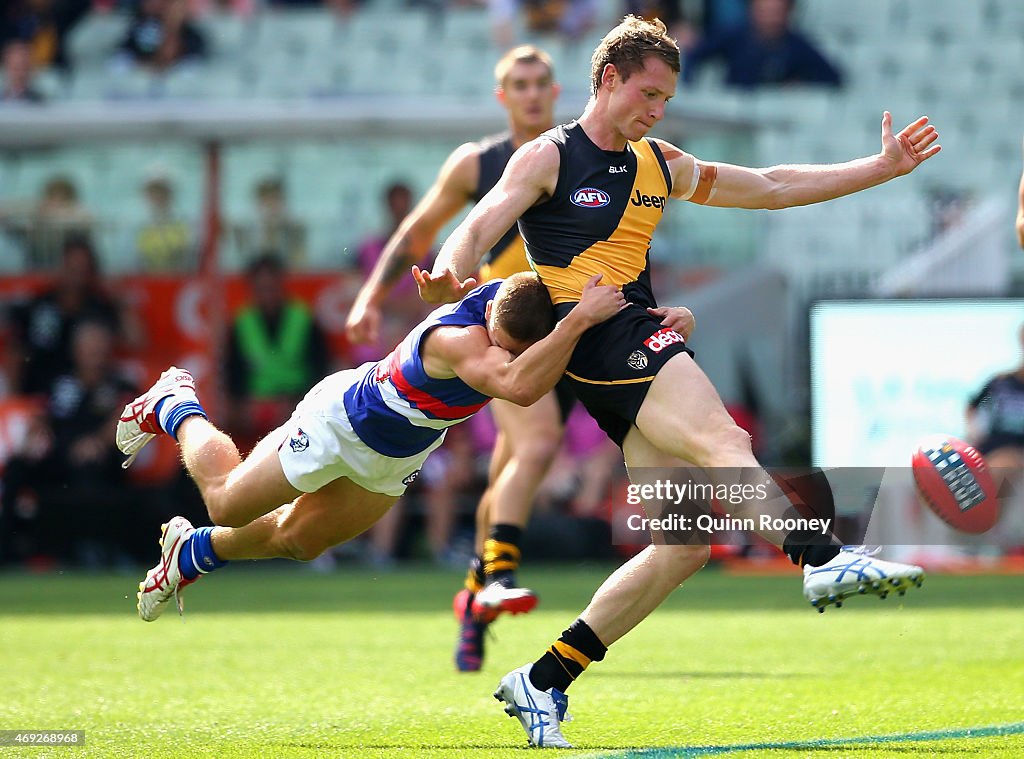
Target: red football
953,479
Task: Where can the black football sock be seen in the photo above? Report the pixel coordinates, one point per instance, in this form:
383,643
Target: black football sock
501,554
567,657
809,547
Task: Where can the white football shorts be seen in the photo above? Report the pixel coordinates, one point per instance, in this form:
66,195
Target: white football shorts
318,444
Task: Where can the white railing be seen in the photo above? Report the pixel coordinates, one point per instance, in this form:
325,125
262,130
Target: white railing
973,258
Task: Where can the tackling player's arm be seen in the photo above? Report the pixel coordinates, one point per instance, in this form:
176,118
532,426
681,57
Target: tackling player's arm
530,176
411,242
725,185
467,352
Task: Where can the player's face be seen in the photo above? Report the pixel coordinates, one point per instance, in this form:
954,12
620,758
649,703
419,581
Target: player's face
638,103
528,94
499,337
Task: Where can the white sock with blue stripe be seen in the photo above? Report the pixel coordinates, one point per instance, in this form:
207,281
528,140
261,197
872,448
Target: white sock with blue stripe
173,410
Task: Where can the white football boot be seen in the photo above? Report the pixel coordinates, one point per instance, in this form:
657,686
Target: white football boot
164,581
138,423
855,571
539,712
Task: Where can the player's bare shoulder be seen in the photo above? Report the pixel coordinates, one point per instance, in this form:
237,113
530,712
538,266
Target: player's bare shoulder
461,170
535,164
447,347
681,166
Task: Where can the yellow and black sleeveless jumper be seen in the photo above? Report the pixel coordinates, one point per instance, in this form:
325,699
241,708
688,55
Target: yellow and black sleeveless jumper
508,256
600,219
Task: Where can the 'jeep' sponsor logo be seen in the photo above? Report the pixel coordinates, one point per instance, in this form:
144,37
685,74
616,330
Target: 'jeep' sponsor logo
650,201
662,339
588,197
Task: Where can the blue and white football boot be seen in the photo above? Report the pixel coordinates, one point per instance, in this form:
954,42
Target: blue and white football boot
540,712
856,571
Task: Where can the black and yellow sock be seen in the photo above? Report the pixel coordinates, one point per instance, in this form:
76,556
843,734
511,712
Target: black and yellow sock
501,554
567,657
808,547
474,581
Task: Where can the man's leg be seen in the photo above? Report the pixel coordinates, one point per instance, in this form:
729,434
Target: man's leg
306,527
528,440
695,425
536,692
469,649
681,417
532,435
235,492
301,529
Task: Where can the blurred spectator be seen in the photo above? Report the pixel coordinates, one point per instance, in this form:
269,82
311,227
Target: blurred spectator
766,50
242,8
64,492
995,426
405,307
41,329
689,21
341,7
41,228
44,25
569,18
18,72
995,419
162,35
274,228
276,352
165,241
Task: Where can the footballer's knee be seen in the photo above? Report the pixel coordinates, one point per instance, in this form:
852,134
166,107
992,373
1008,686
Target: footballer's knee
539,449
297,546
221,510
685,560
727,444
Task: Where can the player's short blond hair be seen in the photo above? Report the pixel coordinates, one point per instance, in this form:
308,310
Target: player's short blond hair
629,44
521,54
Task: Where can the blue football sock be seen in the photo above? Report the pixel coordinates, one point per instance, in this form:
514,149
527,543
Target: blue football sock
197,556
170,415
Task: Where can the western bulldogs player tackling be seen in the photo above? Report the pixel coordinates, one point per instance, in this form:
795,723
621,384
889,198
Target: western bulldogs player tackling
358,438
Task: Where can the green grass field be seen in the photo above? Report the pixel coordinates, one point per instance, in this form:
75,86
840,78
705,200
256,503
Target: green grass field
275,661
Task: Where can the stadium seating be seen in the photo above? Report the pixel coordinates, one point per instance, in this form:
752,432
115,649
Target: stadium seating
958,62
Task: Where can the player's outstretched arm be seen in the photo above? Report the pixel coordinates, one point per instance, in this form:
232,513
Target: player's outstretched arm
531,174
412,240
524,379
725,185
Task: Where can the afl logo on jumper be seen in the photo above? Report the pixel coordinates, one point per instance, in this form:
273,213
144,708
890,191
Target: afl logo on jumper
637,360
588,197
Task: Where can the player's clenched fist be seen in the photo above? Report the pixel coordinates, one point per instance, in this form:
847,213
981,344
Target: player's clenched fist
600,302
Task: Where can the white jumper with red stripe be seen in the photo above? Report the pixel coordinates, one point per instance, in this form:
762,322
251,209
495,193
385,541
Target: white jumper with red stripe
395,407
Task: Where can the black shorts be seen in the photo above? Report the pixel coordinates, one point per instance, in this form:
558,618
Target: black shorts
615,362
566,399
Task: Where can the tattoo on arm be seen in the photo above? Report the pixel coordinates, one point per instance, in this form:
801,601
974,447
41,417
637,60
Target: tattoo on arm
397,262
